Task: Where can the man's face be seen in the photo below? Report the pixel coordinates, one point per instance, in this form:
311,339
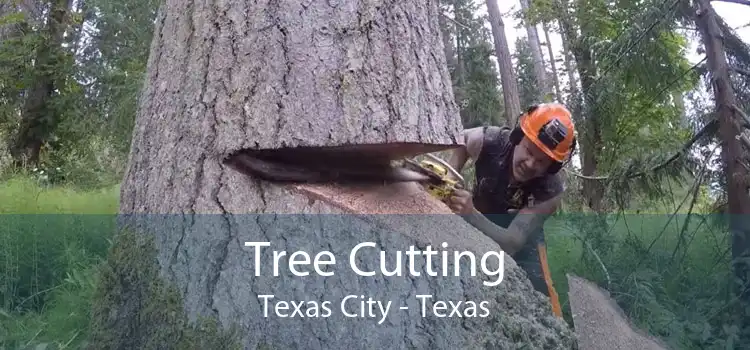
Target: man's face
529,161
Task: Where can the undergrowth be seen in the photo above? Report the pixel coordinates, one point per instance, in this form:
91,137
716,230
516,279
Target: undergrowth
51,240
670,277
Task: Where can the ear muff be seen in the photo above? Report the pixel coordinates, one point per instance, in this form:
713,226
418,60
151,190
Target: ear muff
516,135
557,166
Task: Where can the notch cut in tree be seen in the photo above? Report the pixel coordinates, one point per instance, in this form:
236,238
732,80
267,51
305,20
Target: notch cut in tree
263,78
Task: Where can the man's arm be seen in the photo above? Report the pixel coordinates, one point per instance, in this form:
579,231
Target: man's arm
473,139
548,197
528,221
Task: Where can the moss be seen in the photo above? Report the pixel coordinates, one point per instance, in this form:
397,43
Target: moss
134,308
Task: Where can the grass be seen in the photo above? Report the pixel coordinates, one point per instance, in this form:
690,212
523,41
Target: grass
47,263
672,281
50,241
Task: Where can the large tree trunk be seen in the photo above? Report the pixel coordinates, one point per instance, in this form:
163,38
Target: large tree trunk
536,54
511,97
295,74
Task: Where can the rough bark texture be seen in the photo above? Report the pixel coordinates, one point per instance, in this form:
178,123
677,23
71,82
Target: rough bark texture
511,97
286,74
304,74
600,323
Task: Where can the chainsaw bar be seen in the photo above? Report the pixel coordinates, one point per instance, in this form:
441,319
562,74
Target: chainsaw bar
324,171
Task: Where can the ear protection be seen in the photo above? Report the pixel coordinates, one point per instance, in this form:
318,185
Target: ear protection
516,135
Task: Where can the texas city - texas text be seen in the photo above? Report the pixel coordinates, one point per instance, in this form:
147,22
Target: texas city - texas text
362,306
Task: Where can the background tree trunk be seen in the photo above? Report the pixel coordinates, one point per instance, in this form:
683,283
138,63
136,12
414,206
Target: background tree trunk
298,75
733,155
511,97
38,119
536,54
553,64
448,45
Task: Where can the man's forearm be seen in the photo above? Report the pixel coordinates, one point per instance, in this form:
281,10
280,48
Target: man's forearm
510,241
530,220
526,222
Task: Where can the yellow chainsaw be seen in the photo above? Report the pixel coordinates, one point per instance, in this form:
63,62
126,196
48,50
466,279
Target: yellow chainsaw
440,183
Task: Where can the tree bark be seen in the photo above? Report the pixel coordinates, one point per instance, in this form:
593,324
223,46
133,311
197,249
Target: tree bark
733,154
536,54
296,74
508,80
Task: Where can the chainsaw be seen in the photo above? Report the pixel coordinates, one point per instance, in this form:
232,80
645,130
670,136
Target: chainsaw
330,165
440,183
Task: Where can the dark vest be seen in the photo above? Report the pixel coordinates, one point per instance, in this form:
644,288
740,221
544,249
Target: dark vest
493,195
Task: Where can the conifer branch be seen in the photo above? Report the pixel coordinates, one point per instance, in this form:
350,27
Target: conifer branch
709,128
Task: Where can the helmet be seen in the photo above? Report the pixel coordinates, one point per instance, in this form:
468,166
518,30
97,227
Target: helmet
550,127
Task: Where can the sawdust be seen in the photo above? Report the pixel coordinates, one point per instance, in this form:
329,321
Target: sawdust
398,198
600,323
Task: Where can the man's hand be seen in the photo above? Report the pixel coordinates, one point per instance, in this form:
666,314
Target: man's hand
461,202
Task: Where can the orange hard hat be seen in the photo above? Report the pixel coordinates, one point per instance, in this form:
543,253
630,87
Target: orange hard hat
550,127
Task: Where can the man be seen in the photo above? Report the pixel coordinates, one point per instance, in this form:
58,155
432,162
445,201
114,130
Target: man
512,167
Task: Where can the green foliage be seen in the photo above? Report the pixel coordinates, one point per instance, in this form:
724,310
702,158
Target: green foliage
671,277
667,273
475,79
482,104
116,60
57,271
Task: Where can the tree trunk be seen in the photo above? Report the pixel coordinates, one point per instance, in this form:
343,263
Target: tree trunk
569,68
38,117
290,75
507,76
536,54
679,103
733,154
460,44
590,132
553,64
